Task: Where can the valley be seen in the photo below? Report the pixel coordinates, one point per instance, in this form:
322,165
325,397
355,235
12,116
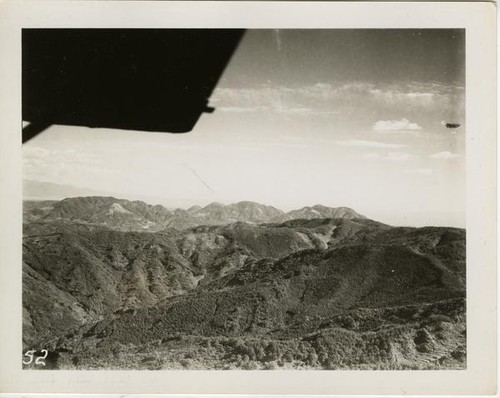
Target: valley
116,284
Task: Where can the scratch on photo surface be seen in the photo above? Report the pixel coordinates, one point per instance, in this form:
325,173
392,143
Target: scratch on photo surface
199,178
278,39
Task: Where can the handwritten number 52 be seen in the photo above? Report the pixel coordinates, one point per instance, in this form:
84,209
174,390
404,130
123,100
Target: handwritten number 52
38,360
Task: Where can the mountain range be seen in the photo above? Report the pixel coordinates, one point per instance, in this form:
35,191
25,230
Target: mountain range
125,215
115,284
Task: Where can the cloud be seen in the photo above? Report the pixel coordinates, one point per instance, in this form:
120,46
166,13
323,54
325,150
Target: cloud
41,163
419,94
239,109
324,99
371,156
396,126
391,156
54,155
400,156
369,144
421,171
304,111
445,155
273,101
394,95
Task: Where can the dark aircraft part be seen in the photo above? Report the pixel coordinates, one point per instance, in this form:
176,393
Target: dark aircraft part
452,125
135,79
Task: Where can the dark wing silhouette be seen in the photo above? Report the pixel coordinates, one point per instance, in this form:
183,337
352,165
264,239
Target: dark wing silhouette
452,125
135,79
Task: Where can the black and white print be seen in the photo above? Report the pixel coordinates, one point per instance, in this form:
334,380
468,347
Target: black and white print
244,199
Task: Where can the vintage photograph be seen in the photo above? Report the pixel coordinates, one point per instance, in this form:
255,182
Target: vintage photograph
244,199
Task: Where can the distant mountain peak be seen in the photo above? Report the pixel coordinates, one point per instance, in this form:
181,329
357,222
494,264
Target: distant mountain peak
118,208
321,211
248,203
121,214
214,205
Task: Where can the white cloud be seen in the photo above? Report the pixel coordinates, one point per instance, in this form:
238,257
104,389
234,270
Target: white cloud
325,98
421,96
445,155
271,102
397,95
305,111
392,156
50,164
56,156
396,126
371,155
369,144
400,156
238,109
417,94
421,171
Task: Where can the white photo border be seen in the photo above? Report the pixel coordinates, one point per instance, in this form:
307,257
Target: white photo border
479,21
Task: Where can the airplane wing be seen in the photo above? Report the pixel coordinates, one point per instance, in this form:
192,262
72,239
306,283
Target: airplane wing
135,79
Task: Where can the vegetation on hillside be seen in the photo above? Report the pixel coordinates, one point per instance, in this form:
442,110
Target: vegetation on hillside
323,293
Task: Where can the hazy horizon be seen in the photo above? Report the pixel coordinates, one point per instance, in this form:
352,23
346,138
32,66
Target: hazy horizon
342,118
186,203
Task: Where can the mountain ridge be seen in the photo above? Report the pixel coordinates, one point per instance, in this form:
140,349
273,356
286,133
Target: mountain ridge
116,284
126,215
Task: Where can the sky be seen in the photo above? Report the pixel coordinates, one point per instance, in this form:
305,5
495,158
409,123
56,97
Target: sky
335,117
